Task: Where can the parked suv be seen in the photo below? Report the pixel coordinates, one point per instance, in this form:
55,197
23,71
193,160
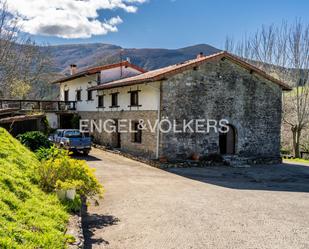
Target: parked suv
73,140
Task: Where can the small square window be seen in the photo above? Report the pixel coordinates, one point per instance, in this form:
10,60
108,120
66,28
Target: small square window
78,95
137,133
100,101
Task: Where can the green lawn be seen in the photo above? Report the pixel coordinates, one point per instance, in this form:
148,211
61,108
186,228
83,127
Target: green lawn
29,218
297,160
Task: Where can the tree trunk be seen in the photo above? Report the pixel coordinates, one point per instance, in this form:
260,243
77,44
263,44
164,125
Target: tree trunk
296,140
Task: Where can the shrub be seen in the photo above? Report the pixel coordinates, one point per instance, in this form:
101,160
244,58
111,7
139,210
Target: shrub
285,151
60,171
34,140
73,205
49,153
305,146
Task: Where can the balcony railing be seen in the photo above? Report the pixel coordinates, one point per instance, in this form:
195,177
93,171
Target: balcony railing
37,105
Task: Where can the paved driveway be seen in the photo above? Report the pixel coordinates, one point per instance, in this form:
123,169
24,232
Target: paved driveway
148,208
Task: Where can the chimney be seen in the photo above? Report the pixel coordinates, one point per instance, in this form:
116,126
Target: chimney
200,55
73,69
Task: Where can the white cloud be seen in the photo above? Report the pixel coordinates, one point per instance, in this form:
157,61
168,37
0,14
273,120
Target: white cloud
69,18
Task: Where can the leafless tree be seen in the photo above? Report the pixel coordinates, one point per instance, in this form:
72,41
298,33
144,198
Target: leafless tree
283,52
20,59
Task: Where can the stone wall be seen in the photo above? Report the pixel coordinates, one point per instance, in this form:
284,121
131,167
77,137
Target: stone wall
217,90
147,148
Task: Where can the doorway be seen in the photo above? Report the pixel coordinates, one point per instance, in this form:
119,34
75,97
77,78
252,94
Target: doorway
116,136
65,121
227,141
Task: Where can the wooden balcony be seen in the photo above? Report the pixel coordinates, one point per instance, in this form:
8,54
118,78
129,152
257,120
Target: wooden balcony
38,105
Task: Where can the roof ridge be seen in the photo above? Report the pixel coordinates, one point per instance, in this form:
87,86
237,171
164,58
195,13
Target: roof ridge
161,73
93,70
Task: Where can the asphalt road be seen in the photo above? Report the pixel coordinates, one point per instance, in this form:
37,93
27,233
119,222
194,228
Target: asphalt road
217,207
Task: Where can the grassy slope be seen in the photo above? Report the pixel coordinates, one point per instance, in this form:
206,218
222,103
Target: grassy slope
29,218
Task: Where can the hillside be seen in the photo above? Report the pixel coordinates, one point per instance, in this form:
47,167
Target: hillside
29,218
87,55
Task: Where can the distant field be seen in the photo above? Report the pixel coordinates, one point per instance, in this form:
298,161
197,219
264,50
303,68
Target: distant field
296,160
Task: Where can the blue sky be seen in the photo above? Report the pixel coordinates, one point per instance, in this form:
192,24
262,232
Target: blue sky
179,23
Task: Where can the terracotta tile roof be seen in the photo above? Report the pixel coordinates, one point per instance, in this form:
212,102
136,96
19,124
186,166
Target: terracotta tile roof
94,70
163,73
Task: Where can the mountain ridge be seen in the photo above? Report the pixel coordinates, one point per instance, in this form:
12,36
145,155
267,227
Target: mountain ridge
94,54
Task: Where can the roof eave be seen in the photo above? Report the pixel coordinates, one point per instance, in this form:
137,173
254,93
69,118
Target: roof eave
69,78
260,72
95,70
107,86
217,56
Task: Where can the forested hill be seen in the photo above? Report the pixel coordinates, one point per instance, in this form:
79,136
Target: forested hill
87,55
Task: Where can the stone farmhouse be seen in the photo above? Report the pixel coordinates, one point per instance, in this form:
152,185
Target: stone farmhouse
215,87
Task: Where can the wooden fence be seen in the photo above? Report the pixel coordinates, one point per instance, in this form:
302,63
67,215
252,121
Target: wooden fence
37,105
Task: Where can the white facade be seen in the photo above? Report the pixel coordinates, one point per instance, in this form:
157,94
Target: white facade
148,97
117,73
82,84
148,93
52,119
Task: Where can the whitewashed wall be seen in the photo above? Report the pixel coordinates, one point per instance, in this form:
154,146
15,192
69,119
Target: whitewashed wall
81,83
117,73
84,83
52,119
148,97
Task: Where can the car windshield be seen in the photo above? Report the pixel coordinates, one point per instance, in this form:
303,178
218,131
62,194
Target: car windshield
73,134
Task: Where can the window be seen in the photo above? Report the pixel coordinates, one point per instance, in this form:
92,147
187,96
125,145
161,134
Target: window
78,95
134,98
101,101
99,78
60,133
66,95
73,134
89,95
114,97
137,133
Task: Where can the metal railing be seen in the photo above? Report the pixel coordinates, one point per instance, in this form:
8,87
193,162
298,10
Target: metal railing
38,105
